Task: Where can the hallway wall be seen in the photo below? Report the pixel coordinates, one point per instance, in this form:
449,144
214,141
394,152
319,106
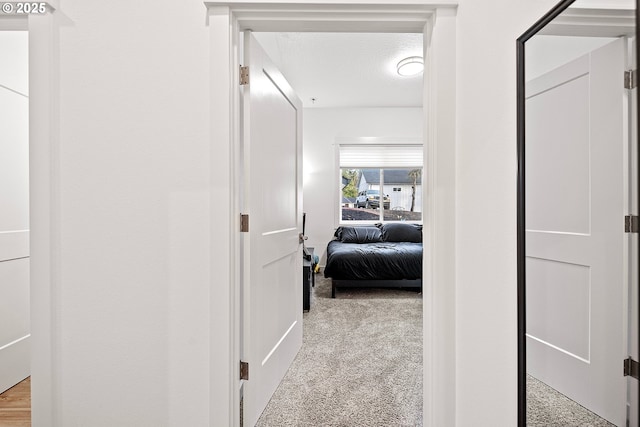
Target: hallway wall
132,177
486,306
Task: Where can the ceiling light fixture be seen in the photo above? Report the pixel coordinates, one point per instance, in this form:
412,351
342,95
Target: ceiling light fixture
410,66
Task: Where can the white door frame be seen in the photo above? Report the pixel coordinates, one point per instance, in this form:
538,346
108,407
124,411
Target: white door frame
437,20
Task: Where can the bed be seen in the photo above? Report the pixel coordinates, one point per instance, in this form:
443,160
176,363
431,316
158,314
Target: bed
384,255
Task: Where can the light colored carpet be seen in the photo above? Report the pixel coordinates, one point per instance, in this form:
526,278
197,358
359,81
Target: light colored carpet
361,365
360,362
548,408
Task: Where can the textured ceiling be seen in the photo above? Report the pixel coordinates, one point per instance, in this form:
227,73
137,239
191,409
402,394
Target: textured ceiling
347,69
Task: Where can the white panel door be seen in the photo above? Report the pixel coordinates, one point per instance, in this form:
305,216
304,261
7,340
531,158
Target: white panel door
575,230
272,282
15,354
15,346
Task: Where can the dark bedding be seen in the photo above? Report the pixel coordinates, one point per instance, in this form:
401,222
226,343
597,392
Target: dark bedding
373,261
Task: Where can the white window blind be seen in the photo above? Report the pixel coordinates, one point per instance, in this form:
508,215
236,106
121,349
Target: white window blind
380,156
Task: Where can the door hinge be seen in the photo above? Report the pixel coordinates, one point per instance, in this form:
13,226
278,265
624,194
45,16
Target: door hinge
244,75
244,223
630,79
631,368
631,224
244,370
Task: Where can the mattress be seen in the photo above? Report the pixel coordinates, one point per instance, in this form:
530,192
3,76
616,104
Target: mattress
373,261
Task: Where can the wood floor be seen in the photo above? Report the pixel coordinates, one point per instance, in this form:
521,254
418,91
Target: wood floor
15,405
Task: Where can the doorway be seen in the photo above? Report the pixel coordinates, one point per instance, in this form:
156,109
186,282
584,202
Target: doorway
438,26
349,85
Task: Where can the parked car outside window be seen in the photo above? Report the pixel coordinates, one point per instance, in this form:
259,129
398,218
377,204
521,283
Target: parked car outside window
370,199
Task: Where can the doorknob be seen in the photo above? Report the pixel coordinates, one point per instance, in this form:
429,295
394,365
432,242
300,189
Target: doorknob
302,238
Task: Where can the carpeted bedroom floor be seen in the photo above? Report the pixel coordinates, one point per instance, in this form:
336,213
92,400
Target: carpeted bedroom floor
360,362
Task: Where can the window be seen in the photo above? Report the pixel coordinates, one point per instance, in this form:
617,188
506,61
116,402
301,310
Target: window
380,183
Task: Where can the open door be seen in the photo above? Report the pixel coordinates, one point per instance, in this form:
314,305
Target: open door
15,323
272,257
575,230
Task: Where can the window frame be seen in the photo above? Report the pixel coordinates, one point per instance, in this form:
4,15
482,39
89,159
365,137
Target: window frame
338,221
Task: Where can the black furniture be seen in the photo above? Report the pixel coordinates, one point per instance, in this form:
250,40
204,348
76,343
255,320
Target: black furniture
385,255
308,280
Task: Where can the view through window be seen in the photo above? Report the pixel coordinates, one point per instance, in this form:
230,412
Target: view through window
381,183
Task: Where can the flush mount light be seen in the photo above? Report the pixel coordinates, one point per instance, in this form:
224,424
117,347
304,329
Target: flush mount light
410,66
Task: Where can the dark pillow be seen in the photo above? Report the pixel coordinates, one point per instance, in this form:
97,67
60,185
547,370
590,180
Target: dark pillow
360,235
401,232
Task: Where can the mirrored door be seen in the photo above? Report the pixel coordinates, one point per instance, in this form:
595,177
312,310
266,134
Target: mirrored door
577,185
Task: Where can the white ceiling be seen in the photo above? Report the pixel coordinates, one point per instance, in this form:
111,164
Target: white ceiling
347,69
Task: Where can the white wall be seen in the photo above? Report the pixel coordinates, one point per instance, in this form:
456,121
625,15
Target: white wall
321,128
131,181
14,208
486,306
